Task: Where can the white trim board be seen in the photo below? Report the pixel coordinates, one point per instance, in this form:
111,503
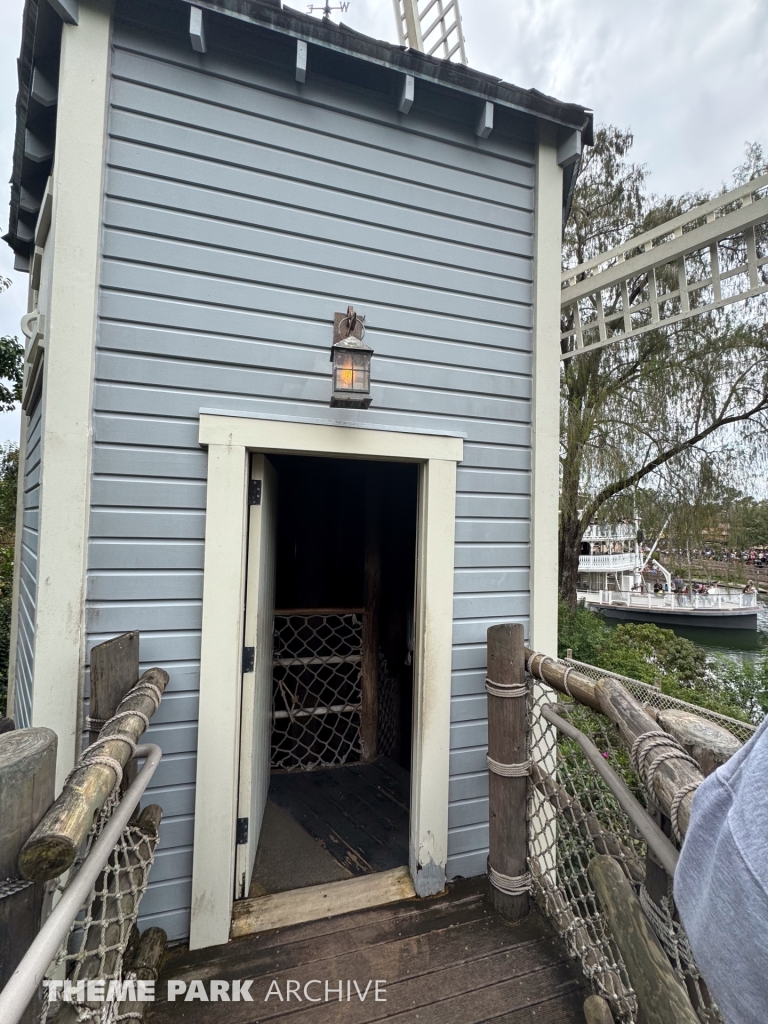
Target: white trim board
66,426
545,413
230,439
318,438
324,421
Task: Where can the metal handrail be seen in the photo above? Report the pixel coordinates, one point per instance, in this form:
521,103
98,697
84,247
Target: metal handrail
28,976
637,814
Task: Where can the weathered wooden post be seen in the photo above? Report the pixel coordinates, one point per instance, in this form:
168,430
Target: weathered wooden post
597,1011
114,671
27,781
144,962
660,994
508,770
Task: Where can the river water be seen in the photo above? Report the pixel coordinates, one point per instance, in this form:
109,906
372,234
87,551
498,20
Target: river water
747,644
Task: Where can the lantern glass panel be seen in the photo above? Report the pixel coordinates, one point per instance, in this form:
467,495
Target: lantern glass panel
352,371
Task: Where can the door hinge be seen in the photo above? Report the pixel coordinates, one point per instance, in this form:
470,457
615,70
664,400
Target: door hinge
241,833
249,659
254,492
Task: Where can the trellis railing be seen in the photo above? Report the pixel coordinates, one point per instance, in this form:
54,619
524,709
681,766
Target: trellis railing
435,28
712,256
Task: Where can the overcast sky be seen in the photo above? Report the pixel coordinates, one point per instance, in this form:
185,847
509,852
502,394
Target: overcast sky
689,77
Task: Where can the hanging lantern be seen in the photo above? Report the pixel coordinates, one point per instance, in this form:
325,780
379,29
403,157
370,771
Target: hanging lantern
351,359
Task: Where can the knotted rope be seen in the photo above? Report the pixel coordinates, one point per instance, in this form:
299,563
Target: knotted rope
543,659
499,690
647,763
511,885
508,771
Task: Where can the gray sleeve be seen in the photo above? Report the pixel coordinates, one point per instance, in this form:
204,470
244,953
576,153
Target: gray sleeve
721,883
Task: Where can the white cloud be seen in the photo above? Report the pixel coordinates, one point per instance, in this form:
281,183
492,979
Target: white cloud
689,77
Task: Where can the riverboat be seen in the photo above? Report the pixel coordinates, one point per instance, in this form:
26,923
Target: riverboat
618,580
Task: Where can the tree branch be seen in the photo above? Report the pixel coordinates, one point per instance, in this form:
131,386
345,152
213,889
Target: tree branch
630,480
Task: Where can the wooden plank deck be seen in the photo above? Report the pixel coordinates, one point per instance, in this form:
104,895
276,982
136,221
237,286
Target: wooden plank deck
358,812
447,960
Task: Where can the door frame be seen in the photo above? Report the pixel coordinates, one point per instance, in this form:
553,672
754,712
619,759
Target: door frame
230,439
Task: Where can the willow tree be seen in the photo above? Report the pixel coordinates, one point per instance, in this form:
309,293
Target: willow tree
669,407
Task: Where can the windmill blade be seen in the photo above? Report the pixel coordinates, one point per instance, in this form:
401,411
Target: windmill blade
435,29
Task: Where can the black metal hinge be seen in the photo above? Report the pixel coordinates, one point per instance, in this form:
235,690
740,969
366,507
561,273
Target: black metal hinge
241,832
249,658
254,492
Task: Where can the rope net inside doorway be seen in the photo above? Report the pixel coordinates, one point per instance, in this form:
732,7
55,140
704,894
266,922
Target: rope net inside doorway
317,690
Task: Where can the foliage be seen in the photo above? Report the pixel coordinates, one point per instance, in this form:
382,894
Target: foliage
745,682
680,410
746,523
9,470
658,656
11,372
11,379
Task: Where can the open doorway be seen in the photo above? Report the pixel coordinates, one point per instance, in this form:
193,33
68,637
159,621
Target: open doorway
342,673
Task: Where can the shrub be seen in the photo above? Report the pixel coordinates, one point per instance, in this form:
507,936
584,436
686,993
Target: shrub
653,655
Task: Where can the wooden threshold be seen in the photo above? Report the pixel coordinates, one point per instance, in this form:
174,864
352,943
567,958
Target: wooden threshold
316,902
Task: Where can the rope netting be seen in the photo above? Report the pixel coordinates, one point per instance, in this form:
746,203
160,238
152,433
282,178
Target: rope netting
572,817
648,694
104,931
317,690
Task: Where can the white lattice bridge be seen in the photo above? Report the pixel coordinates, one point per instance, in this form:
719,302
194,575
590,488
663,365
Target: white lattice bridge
708,258
435,29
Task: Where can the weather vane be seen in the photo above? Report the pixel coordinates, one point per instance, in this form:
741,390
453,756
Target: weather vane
326,8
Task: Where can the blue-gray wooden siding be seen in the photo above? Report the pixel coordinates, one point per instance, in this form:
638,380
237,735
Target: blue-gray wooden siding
25,638
241,212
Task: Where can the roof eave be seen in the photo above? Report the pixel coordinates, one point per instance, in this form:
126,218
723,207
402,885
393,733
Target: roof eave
269,14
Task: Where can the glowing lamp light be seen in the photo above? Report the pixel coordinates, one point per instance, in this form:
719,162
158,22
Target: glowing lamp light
351,359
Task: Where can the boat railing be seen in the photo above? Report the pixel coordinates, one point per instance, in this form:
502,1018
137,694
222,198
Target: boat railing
672,600
610,531
623,560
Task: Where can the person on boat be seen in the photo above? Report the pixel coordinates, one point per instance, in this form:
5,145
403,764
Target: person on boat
750,587
658,588
678,585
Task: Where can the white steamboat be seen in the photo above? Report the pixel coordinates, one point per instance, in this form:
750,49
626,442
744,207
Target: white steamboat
616,579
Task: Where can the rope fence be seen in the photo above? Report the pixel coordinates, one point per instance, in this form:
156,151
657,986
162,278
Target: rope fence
648,694
91,854
573,817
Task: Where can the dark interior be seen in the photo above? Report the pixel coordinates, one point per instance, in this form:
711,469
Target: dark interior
346,550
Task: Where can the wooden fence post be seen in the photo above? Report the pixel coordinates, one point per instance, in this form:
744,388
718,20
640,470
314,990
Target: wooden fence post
53,846
660,993
114,671
508,770
27,786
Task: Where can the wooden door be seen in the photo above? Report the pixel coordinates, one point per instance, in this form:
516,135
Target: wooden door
256,709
